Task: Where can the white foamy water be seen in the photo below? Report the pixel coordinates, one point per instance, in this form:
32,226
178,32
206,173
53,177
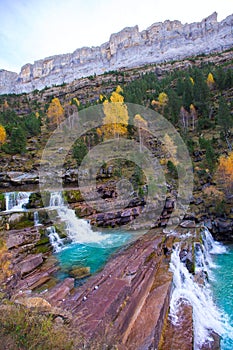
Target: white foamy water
15,201
36,219
80,230
55,240
207,318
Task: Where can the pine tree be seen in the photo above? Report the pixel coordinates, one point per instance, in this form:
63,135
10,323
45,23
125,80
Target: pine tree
17,141
79,151
187,97
225,120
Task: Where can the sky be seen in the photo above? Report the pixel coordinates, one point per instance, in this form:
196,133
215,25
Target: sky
35,29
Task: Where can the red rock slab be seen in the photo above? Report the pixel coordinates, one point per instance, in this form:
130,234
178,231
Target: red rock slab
37,279
21,237
30,263
100,307
179,336
145,330
56,294
113,301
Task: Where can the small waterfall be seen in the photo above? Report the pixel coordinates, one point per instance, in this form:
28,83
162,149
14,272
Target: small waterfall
56,200
16,201
207,318
211,246
55,240
36,218
78,230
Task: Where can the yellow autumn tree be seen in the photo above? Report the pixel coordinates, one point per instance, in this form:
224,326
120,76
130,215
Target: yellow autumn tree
55,113
225,174
163,99
210,80
141,124
116,116
2,135
192,81
161,103
75,101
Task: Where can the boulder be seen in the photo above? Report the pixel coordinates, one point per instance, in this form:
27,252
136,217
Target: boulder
34,302
80,272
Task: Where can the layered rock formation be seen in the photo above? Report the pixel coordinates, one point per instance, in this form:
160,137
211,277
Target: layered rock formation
160,42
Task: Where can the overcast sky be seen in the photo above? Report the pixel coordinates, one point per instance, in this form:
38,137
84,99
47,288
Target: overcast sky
35,29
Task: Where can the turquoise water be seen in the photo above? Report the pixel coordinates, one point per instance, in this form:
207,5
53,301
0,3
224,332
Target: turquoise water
222,286
94,255
84,256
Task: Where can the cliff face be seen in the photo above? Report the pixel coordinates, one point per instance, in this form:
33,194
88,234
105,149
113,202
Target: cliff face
160,42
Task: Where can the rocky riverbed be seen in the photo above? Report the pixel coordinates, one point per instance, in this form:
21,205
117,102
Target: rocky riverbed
127,302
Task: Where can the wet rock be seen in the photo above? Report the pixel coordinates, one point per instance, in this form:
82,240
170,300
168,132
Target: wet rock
208,224
80,272
179,336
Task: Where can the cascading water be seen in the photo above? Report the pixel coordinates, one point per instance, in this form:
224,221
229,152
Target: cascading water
55,240
207,318
86,247
16,201
79,230
36,218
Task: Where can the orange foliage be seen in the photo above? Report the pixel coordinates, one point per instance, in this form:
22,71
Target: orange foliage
2,135
55,113
225,173
5,261
210,80
116,116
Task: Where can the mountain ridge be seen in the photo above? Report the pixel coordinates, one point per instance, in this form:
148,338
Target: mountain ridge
161,42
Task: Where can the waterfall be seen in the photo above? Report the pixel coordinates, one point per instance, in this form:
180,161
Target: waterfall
78,230
210,244
56,200
55,240
16,201
36,218
207,318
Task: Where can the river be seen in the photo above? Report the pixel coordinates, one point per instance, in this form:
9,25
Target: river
222,286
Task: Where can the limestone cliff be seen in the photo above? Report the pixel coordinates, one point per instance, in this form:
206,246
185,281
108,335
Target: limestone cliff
160,42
